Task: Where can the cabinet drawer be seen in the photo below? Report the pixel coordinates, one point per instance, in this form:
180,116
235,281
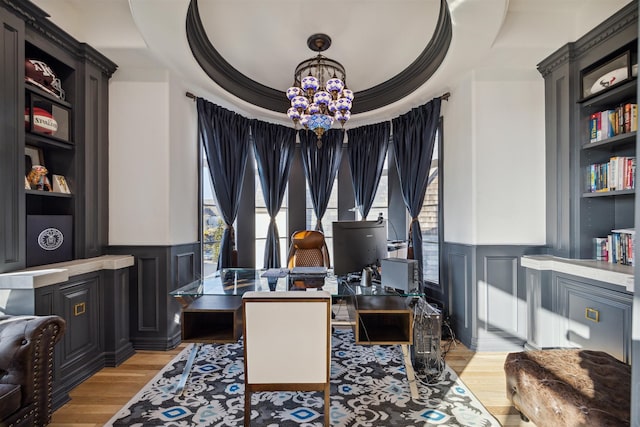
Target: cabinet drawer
595,318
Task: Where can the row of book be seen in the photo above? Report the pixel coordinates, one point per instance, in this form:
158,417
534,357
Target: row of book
617,247
619,173
609,123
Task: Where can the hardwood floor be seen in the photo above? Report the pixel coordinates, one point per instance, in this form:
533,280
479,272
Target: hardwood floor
96,400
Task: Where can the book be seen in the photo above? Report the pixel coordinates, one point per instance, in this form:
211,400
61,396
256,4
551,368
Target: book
594,126
613,173
600,248
627,117
622,244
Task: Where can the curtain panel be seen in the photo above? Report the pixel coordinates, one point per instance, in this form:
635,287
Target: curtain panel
367,150
414,139
321,166
274,149
225,137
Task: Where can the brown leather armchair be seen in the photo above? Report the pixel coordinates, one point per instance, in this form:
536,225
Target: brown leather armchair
26,368
308,249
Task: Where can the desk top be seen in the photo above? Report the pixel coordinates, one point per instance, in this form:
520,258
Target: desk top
237,281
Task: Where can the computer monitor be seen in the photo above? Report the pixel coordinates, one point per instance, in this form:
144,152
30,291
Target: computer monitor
358,244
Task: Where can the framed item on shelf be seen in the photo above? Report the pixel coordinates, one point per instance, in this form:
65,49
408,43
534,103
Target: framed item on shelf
597,78
49,239
33,156
60,184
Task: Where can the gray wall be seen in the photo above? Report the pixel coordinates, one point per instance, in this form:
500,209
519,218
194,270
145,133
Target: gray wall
487,294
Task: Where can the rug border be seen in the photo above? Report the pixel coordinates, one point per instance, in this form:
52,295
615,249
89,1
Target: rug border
457,378
136,397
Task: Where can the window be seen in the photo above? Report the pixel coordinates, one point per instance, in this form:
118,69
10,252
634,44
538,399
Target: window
330,215
262,223
430,220
380,203
212,223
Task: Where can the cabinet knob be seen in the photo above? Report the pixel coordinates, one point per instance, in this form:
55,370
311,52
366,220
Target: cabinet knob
79,309
592,314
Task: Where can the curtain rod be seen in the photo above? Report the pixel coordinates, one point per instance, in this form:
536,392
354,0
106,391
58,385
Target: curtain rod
445,96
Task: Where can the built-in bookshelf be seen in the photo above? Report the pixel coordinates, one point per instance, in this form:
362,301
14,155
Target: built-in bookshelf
608,112
591,129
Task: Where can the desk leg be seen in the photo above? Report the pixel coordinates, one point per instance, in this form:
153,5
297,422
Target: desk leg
411,375
187,369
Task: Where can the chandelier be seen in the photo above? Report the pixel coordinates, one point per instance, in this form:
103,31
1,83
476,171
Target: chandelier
319,94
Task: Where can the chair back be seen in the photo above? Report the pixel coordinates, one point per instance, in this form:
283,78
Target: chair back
282,353
308,249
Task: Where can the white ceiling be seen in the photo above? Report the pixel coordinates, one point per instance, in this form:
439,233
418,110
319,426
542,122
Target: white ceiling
373,39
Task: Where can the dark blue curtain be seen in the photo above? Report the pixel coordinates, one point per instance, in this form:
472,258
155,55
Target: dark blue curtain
321,166
225,137
414,137
367,149
274,147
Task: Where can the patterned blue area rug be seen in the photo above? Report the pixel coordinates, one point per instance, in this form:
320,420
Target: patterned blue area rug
369,387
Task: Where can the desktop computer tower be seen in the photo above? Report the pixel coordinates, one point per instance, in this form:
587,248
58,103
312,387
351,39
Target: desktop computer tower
399,273
426,354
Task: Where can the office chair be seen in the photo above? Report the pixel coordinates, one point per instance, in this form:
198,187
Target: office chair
308,249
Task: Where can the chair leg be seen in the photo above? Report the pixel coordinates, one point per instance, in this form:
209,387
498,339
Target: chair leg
247,408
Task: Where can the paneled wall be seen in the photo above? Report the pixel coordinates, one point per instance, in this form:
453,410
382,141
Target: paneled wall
154,314
487,294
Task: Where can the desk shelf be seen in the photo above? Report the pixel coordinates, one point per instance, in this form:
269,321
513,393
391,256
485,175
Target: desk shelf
381,320
212,319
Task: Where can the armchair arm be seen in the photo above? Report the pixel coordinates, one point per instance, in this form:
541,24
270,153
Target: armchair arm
26,358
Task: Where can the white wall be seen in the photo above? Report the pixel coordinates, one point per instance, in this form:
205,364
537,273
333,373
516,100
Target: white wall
458,193
494,176
152,160
183,163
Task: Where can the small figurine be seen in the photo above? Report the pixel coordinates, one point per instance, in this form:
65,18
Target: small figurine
38,178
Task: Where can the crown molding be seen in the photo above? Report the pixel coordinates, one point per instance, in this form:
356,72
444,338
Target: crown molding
37,20
394,89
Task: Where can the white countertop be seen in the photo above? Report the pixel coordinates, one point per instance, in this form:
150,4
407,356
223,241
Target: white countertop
617,274
44,275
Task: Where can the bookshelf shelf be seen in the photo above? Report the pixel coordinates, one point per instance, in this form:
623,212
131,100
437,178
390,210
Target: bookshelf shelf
42,193
613,142
610,193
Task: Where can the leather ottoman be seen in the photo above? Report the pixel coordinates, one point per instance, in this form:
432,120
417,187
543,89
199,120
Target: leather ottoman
569,387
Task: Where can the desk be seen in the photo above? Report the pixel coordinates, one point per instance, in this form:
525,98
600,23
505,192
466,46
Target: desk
212,307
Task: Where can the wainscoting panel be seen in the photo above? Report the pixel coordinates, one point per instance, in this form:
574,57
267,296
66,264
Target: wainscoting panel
458,278
488,295
115,295
185,268
146,299
497,309
157,271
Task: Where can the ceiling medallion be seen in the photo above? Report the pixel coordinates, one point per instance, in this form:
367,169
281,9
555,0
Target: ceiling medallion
319,94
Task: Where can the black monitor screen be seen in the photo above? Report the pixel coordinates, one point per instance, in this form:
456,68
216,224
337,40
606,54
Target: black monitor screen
358,244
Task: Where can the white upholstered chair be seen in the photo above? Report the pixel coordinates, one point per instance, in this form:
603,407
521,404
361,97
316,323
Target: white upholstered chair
287,344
